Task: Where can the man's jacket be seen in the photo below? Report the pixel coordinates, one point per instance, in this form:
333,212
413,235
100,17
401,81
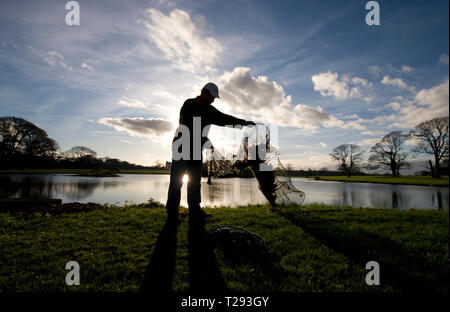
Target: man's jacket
209,115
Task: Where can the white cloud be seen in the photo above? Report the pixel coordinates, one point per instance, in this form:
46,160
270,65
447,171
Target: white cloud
352,116
355,124
406,69
427,104
396,106
84,65
166,95
323,144
181,40
374,70
259,99
369,99
308,159
373,133
53,58
368,142
398,82
435,98
55,54
361,81
413,141
149,128
444,59
128,102
65,66
329,84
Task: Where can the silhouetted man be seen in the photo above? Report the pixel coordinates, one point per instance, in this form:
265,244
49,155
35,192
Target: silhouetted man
196,115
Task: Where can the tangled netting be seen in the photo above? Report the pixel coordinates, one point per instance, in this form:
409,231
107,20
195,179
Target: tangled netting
256,152
236,241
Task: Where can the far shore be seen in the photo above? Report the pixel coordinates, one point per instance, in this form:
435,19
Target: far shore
85,171
384,179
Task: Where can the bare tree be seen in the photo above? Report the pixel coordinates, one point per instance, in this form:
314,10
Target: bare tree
80,152
388,154
348,157
433,136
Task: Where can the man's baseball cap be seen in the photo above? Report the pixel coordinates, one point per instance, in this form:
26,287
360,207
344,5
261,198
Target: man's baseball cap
212,88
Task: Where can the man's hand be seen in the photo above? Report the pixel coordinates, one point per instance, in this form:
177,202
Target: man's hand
249,123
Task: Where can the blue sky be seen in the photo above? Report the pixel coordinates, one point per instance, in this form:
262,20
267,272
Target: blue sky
314,69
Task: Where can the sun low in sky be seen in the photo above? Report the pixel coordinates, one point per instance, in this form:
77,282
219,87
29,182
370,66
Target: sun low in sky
314,69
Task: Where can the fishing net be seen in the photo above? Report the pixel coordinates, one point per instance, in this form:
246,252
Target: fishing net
262,158
236,243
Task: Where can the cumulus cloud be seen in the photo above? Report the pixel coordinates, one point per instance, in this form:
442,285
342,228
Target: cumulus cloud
427,104
329,84
444,59
361,82
355,124
396,106
149,128
397,82
260,99
406,69
242,90
84,65
374,70
435,98
182,40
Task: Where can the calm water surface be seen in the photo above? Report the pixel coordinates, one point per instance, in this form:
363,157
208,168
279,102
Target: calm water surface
139,188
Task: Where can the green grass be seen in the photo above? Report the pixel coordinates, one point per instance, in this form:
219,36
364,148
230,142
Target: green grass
410,180
85,171
312,248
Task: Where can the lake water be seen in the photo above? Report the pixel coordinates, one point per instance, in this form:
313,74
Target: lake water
138,188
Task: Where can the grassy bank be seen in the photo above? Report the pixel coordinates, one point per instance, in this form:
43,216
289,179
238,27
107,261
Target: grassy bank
315,248
408,180
85,172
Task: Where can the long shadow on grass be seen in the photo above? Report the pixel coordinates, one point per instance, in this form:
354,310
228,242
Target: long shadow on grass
204,273
397,267
160,271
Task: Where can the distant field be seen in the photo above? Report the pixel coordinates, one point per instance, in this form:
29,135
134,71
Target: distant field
410,180
86,171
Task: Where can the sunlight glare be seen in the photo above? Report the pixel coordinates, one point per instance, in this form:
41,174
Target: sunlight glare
185,178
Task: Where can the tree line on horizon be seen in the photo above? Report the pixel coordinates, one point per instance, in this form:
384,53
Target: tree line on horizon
431,136
23,145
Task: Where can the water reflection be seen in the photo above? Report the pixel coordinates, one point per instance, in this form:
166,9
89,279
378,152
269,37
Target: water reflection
47,186
375,195
230,192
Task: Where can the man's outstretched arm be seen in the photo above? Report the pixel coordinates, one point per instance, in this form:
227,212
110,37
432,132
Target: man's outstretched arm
220,119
